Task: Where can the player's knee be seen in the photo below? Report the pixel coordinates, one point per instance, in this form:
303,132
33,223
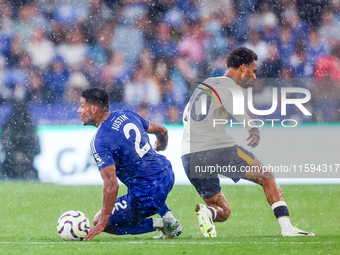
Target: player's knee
96,218
95,222
267,175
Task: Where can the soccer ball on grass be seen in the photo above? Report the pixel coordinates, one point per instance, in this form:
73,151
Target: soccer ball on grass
73,226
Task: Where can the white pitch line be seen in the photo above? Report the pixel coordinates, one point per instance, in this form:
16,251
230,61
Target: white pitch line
165,242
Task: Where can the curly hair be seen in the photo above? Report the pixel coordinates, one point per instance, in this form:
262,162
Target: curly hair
241,56
96,96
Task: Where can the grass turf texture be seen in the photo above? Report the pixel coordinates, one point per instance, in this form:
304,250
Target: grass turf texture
30,210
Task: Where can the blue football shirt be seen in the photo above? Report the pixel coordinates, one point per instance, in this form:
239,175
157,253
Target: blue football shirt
122,140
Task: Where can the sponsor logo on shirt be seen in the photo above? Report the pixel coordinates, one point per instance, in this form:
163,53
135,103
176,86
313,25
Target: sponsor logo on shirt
98,159
210,94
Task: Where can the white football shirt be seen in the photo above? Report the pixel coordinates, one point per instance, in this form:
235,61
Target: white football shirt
211,104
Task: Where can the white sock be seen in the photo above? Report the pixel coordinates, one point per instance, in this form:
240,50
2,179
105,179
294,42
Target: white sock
213,215
157,223
168,215
285,223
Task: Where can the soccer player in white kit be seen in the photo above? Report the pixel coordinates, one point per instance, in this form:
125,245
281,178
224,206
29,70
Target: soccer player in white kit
207,146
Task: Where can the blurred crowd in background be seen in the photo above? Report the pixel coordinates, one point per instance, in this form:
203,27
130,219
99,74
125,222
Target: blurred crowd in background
146,52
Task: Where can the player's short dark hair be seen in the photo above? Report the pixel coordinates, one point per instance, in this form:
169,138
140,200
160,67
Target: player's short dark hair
241,56
96,96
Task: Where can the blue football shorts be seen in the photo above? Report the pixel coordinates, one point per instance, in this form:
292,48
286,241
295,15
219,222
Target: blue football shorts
132,208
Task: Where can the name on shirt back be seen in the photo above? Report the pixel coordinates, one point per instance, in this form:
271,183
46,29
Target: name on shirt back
117,122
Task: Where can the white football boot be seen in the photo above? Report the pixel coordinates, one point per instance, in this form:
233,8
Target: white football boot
296,232
205,221
171,228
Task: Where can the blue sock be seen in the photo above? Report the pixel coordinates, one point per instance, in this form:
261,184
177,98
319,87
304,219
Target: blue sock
164,209
144,227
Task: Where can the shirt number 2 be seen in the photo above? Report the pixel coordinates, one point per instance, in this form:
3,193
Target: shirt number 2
140,151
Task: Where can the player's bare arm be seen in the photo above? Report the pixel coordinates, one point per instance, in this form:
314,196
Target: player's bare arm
254,137
110,191
161,134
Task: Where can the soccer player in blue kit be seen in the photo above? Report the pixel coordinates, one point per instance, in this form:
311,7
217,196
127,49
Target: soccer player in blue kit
122,150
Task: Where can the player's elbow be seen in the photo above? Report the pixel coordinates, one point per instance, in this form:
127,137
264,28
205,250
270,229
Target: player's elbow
157,129
163,131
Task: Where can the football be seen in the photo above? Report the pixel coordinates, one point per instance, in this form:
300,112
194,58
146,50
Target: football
73,226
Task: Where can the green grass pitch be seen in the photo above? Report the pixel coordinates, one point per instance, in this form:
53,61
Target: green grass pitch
29,212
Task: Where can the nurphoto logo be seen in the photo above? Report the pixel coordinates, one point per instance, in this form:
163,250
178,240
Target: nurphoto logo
208,94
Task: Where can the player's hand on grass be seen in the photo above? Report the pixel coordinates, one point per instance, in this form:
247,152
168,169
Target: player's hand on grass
254,137
95,231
